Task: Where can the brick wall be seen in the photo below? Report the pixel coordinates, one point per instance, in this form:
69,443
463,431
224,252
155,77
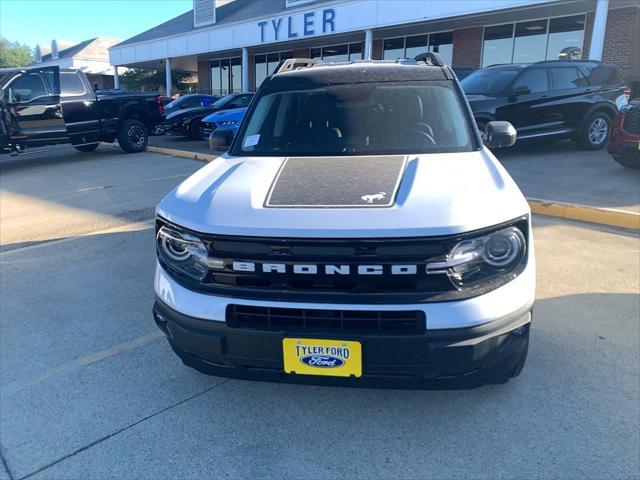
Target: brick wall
467,47
622,41
204,77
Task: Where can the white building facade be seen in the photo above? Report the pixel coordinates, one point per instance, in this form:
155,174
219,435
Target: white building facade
234,46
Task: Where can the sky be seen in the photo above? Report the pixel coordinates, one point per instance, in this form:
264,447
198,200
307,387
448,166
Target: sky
39,21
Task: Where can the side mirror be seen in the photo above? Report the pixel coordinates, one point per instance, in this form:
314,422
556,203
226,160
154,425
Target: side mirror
520,90
220,139
499,134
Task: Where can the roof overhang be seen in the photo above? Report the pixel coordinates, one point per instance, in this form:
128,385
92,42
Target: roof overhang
339,17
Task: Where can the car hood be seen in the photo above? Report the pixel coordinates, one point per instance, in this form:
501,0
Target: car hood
437,194
231,114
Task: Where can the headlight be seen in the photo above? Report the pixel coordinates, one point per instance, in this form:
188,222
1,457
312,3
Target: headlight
185,253
483,259
228,122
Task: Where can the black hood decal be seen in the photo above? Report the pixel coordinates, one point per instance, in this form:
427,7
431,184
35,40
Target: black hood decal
331,182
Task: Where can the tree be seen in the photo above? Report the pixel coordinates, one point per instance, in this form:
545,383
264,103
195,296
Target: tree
14,54
153,80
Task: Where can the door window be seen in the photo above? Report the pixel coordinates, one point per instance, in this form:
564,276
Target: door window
27,87
71,84
535,80
567,78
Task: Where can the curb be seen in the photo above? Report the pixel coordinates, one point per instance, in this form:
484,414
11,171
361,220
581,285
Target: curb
182,153
602,216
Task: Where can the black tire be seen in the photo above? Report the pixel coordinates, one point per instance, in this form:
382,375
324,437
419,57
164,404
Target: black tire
628,161
133,136
87,148
595,132
195,129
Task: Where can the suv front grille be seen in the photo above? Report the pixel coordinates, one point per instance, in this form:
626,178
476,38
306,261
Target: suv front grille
631,123
283,255
339,321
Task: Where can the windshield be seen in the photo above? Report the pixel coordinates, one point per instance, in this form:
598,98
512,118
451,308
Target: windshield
223,101
491,82
357,119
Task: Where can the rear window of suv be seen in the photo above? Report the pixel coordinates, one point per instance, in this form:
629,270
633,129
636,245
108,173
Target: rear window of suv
377,118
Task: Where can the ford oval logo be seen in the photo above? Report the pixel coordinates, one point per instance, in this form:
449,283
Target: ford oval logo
323,361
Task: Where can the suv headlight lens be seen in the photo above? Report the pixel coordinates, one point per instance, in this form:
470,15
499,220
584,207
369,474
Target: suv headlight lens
183,252
482,259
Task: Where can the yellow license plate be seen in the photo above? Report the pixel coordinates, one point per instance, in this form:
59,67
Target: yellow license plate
334,358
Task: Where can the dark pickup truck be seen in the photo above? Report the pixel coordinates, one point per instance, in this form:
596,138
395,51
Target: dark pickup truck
50,106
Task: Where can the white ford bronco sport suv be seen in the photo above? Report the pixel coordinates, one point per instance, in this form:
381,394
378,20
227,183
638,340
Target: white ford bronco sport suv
357,232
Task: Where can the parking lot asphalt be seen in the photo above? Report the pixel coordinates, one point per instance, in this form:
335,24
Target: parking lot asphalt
559,171
90,389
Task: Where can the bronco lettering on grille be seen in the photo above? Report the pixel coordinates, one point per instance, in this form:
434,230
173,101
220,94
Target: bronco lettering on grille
328,269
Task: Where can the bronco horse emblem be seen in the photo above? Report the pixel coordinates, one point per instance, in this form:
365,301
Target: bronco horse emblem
373,197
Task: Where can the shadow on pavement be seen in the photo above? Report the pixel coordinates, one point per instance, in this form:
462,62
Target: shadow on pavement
562,171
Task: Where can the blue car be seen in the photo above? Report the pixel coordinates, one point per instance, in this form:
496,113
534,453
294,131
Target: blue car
224,119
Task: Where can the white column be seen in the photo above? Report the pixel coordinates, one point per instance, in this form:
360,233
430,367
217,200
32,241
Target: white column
368,44
167,73
599,30
116,78
245,69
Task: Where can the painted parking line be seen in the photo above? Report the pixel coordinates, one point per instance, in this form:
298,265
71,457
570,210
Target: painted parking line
95,357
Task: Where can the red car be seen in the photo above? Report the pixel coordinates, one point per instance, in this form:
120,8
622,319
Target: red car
624,139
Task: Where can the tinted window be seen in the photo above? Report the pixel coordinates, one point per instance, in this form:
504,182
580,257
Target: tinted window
535,80
491,82
240,101
192,102
362,119
604,75
27,87
567,78
71,84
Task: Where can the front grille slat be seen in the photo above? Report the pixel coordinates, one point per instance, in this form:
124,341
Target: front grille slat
329,321
631,123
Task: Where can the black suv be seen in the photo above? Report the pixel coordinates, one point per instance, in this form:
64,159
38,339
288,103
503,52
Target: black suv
556,98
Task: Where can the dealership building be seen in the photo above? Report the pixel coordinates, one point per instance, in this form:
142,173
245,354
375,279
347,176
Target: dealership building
233,45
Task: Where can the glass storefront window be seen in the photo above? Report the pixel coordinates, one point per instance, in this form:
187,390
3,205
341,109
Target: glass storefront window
226,76
416,45
553,39
498,45
393,48
566,37
260,69
215,78
530,42
441,43
336,53
410,47
273,59
315,53
355,51
265,65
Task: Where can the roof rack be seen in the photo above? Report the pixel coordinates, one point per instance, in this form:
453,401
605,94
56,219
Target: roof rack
294,64
430,58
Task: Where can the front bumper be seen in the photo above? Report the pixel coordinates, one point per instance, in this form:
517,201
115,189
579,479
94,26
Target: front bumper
441,359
